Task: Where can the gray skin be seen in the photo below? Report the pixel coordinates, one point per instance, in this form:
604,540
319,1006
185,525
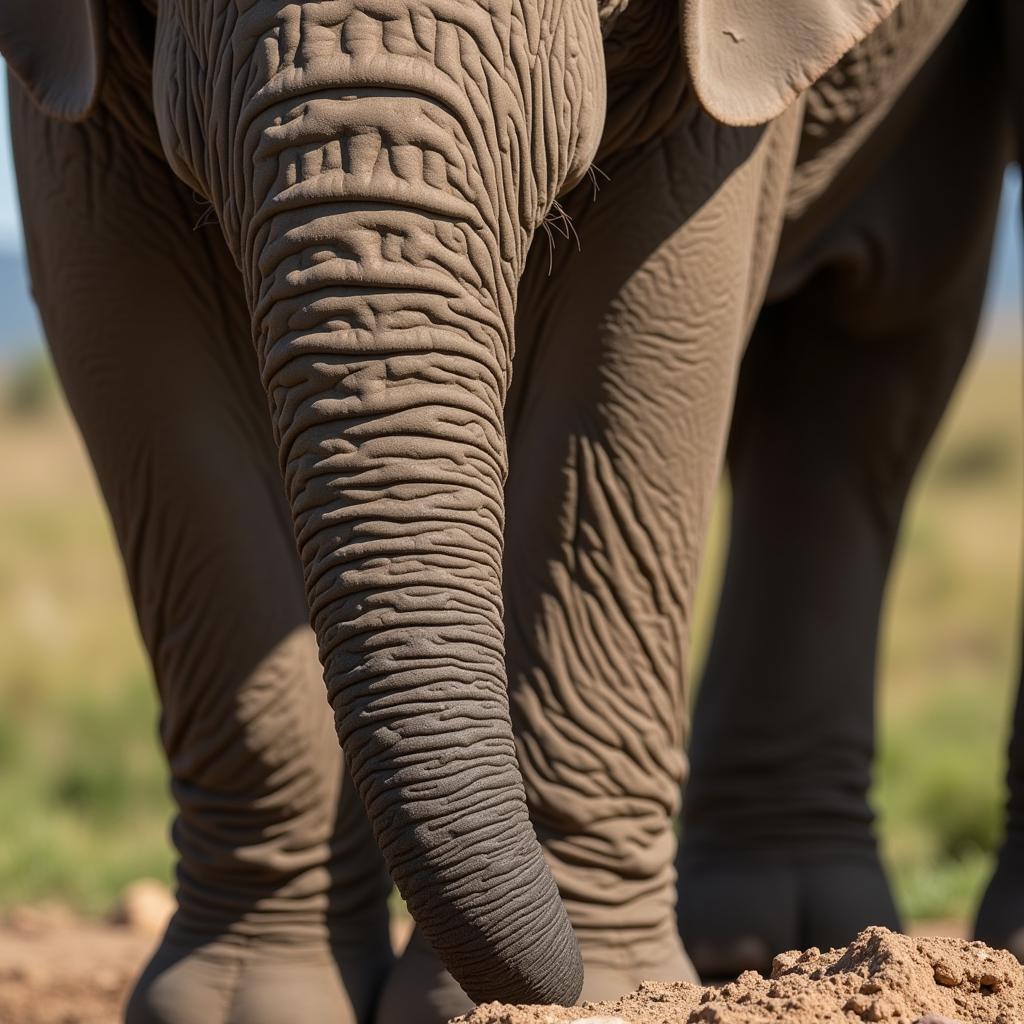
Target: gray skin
875,309
335,211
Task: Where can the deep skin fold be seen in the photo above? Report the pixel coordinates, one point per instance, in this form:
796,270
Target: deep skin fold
379,176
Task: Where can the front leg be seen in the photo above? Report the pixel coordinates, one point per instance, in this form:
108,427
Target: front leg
620,409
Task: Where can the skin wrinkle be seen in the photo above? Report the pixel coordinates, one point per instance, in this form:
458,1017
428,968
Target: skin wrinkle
335,72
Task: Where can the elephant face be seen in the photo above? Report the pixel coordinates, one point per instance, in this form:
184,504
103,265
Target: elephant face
378,168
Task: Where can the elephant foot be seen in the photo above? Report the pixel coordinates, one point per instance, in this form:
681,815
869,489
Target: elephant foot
739,909
1000,920
614,967
420,990
227,982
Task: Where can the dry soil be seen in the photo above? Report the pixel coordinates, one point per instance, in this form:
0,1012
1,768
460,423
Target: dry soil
880,976
56,969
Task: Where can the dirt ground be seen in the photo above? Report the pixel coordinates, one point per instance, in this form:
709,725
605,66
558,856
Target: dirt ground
880,977
56,968
59,969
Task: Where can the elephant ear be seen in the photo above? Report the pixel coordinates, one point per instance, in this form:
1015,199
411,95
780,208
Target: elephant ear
750,59
55,48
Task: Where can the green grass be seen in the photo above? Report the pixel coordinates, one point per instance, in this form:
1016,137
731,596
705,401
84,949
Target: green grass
83,801
82,797
949,663
83,792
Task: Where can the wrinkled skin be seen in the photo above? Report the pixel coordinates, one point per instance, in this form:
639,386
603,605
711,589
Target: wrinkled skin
871,310
498,454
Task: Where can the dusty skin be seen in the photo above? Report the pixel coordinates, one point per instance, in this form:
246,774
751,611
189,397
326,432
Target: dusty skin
880,976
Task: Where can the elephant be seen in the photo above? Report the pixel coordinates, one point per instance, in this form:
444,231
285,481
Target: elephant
287,257
778,849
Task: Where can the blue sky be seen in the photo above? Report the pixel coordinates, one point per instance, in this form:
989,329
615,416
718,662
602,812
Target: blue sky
1005,275
10,230
1006,267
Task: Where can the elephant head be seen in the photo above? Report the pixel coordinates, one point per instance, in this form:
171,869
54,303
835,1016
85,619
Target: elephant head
378,169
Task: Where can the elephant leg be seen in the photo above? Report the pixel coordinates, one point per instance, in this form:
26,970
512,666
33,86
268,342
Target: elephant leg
618,426
840,392
282,895
1000,918
627,353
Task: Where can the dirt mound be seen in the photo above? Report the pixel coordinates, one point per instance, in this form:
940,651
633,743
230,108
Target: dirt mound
879,977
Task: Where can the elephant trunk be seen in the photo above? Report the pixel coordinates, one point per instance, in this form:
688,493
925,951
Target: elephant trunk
385,357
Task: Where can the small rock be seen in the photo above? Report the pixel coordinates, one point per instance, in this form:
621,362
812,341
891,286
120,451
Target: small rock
946,974
785,962
857,1005
146,906
934,1018
707,1015
868,1009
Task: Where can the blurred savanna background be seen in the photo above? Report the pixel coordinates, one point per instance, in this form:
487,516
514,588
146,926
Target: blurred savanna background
84,808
